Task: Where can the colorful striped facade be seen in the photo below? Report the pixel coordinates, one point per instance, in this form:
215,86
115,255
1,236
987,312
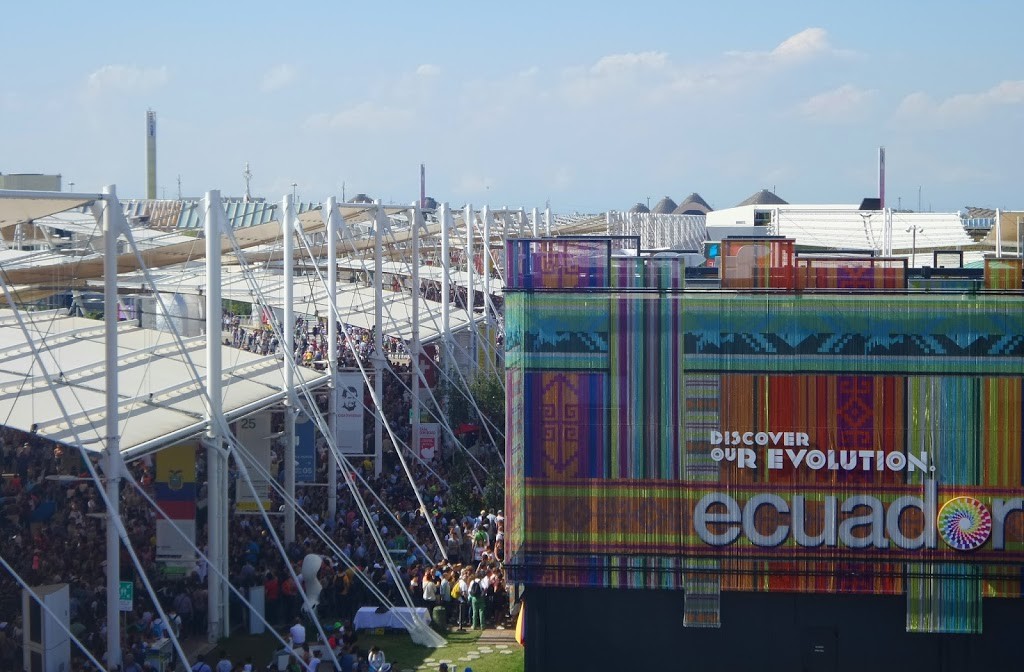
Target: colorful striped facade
625,387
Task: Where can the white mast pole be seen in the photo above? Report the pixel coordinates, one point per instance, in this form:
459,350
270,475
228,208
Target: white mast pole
112,448
999,234
288,327
414,341
332,215
216,471
446,222
380,219
470,287
488,217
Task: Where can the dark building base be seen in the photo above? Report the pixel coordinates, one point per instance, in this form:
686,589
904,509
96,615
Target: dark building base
603,629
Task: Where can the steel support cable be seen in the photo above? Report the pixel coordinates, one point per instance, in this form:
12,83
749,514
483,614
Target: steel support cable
465,393
357,497
473,325
225,431
232,441
407,388
439,328
333,311
53,615
113,512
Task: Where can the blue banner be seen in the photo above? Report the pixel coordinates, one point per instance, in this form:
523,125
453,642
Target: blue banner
305,449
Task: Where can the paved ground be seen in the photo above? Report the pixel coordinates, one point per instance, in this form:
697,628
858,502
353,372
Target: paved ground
492,641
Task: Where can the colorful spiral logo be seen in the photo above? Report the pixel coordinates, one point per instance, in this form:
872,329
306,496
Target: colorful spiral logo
964,523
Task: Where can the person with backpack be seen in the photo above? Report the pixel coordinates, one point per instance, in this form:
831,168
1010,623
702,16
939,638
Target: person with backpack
476,602
201,665
459,593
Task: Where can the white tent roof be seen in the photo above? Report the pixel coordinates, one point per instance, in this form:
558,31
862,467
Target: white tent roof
355,301
21,206
159,402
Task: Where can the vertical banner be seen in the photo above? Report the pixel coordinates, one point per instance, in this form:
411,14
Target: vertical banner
305,449
253,433
348,434
176,497
430,440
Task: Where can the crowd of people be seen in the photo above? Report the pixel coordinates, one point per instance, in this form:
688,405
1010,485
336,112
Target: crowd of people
53,525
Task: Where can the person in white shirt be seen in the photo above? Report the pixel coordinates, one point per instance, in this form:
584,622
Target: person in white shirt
463,595
298,634
376,660
429,591
224,664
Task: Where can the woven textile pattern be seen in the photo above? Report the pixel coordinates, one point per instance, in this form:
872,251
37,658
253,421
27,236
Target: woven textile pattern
620,398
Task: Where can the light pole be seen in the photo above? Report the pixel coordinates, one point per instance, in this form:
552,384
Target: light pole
913,229
294,187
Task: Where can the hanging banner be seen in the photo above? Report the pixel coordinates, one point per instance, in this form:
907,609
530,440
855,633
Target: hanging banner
253,433
348,434
305,449
430,440
176,496
428,364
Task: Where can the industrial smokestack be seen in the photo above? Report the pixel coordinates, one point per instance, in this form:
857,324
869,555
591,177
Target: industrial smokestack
423,185
881,178
150,154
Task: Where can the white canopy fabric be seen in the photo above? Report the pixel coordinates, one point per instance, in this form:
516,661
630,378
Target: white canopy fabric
159,403
355,301
33,205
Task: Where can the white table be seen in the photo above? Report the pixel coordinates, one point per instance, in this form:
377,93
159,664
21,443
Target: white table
395,618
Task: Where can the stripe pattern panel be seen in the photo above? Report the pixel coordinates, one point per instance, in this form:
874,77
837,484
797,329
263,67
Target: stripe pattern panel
761,439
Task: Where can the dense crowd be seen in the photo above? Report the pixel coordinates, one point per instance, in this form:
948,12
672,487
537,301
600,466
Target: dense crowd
53,530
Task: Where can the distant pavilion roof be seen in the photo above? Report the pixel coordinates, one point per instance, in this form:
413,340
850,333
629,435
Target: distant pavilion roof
664,207
763,197
693,205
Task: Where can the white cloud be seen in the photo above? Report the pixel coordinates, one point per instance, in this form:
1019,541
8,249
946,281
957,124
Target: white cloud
806,44
474,184
617,73
428,70
653,76
277,77
10,100
562,179
126,78
367,115
628,63
961,108
847,103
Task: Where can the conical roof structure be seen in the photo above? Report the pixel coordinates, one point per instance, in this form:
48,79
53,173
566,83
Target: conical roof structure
641,208
763,197
693,205
664,207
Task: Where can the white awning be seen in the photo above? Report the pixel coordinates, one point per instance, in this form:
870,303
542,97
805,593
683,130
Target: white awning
159,403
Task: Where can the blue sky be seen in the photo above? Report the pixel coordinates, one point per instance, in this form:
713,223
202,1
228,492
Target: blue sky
592,106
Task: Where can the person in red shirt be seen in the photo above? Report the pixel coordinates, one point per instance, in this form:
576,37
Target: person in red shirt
290,597
272,595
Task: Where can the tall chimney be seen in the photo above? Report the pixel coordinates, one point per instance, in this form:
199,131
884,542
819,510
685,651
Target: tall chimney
423,185
881,178
150,154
